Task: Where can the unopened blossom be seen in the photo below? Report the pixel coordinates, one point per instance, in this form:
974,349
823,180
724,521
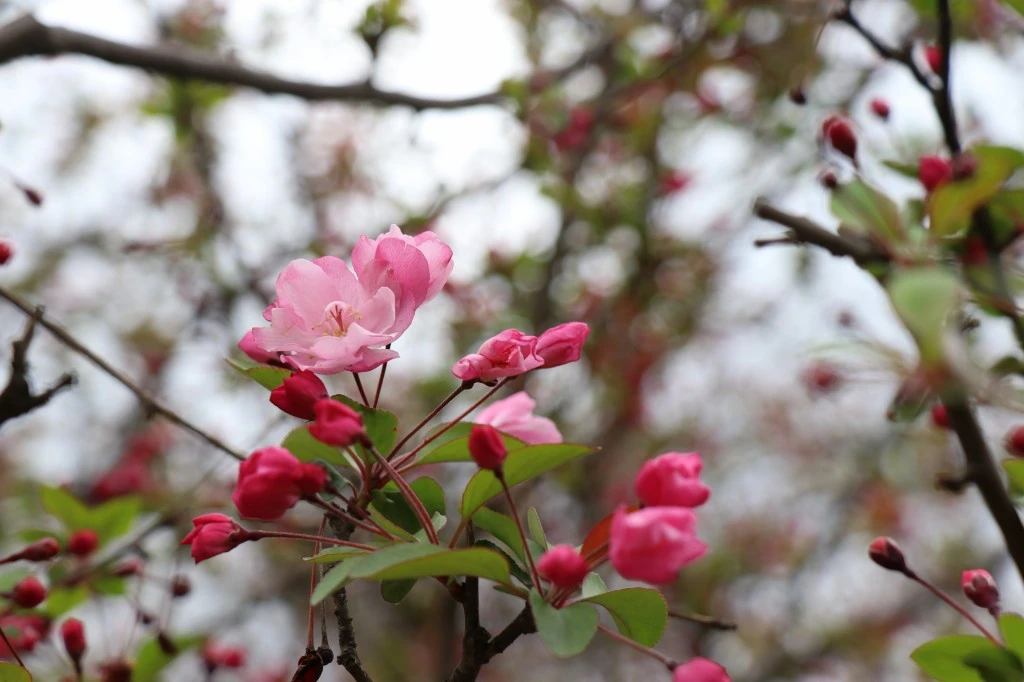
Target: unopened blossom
672,480
887,554
28,592
297,394
838,132
272,480
72,634
563,567
1014,441
514,416
980,587
83,542
336,423
700,670
213,534
507,354
653,544
562,344
934,171
487,447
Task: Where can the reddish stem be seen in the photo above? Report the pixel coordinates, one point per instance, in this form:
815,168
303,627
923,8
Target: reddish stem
423,422
519,526
656,655
408,494
10,647
260,534
949,600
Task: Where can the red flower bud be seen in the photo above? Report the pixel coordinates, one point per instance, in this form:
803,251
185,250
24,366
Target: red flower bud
298,393
798,96
980,587
933,56
211,535
336,423
822,377
563,566
887,554
1014,441
6,251
828,179
839,134
181,585
28,593
940,417
72,633
40,550
128,567
965,165
83,542
880,108
271,481
674,181
487,447
934,171
217,656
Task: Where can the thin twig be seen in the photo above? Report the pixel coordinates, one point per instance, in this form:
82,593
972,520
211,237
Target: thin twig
149,402
808,232
701,619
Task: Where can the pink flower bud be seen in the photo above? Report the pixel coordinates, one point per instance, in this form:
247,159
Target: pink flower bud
40,550
674,181
980,587
880,108
700,670
887,554
563,566
6,251
933,56
28,592
72,633
336,423
562,344
249,346
487,447
507,354
1014,441
83,542
672,480
653,544
297,394
838,132
213,534
271,481
939,415
221,656
933,172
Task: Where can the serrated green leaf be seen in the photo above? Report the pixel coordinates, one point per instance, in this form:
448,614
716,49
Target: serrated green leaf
266,376
301,443
152,659
414,560
924,298
501,527
11,672
951,206
521,465
566,631
640,613
863,208
943,658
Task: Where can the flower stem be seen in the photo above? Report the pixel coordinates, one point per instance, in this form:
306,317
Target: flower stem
656,655
312,585
949,600
11,648
359,385
433,413
519,526
348,518
408,494
380,382
259,534
412,453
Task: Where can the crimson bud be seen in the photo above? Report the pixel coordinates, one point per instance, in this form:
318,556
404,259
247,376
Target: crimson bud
980,587
83,542
487,447
887,554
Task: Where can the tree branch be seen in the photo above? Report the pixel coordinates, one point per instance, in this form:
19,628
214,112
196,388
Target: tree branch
149,402
475,638
808,232
17,397
348,654
26,36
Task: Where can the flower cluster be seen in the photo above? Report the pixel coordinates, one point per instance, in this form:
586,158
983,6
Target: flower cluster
512,353
653,543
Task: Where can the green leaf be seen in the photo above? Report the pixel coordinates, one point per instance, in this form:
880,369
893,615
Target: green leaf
381,425
863,208
593,585
301,443
566,631
60,600
943,658
64,506
952,205
152,659
924,298
909,170
996,665
1014,469
266,376
110,585
1012,627
11,672
394,591
640,613
393,505
536,529
414,560
457,449
114,518
334,554
501,527
521,465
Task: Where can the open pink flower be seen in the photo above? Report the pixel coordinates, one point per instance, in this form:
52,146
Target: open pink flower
507,354
514,416
653,544
672,480
329,318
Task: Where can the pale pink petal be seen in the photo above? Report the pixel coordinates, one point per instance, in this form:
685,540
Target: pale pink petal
305,288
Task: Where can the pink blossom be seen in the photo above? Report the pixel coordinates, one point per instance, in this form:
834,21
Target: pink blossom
248,346
487,447
514,416
980,587
562,344
700,670
437,254
507,354
653,544
563,566
672,480
213,534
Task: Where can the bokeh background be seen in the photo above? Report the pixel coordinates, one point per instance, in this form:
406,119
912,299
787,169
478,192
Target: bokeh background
611,182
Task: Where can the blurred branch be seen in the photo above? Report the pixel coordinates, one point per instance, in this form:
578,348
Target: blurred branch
348,654
17,397
26,36
704,621
808,232
149,402
475,638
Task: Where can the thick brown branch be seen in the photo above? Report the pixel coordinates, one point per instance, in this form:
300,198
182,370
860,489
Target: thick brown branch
26,36
149,402
17,397
475,638
809,232
348,654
